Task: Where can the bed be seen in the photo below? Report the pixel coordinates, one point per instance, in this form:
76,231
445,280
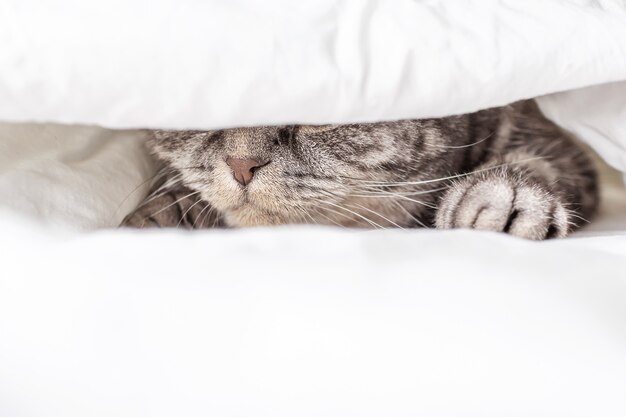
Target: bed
297,320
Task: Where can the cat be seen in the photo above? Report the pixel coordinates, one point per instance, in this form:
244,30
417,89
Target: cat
506,169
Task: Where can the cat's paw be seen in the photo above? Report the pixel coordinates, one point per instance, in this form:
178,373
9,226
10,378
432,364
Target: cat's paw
141,218
503,203
162,211
176,208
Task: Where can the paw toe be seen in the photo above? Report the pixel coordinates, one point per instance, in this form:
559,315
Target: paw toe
529,211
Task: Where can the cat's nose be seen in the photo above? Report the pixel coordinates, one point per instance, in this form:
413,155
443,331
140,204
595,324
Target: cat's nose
243,169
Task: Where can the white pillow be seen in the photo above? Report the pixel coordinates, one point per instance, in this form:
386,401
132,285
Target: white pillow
597,115
72,176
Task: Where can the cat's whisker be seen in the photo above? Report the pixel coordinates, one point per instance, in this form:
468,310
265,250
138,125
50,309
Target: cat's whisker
377,191
304,217
304,212
371,222
149,197
451,177
376,214
216,219
328,218
570,213
206,217
338,213
160,192
184,216
430,206
397,203
175,202
463,146
208,207
134,190
163,188
393,195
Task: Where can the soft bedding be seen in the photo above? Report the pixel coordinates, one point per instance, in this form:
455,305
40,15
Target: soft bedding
297,320
72,177
309,322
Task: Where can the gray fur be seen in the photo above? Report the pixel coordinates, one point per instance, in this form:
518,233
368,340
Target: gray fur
507,169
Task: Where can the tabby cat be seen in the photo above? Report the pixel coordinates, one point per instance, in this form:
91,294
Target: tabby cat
506,169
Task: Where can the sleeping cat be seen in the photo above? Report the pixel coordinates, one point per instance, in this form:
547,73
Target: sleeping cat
505,169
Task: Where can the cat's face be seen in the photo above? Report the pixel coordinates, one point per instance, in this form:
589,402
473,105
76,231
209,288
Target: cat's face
351,175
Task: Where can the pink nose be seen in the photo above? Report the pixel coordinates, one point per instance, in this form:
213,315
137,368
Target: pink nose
243,169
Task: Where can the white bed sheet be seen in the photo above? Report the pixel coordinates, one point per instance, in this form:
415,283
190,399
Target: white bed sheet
311,321
296,321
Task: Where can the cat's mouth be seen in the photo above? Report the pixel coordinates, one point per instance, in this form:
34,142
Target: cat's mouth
247,205
252,206
258,209
248,215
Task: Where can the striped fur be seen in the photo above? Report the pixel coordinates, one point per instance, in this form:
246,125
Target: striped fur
506,169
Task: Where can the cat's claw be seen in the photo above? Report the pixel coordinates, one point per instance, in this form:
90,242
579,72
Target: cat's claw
504,203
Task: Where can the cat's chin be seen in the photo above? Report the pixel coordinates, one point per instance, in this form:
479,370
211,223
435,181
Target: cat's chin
249,216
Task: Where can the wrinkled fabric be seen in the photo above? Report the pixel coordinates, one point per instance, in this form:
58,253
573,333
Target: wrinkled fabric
78,177
190,64
310,322
297,321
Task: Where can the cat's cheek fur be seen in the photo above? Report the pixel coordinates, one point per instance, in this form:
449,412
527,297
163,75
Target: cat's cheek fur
503,202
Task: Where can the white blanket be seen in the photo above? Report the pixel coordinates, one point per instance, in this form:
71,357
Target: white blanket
186,64
311,322
297,321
